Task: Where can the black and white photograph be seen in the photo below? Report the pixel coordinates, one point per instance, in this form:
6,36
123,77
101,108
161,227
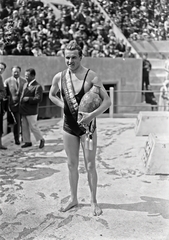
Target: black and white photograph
84,119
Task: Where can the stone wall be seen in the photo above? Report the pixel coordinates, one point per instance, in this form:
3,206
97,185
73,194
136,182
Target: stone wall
125,74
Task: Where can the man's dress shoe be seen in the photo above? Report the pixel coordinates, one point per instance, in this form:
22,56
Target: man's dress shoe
28,144
17,142
3,147
42,143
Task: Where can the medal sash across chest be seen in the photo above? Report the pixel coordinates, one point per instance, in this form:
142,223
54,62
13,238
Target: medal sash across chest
69,93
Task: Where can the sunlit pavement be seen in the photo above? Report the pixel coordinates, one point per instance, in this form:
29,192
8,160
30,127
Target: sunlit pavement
34,185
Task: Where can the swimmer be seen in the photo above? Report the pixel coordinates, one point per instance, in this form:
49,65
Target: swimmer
73,83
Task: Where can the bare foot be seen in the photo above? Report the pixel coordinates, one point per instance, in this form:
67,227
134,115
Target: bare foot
70,205
96,209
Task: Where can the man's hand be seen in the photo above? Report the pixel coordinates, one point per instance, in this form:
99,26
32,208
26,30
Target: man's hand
85,118
15,98
25,99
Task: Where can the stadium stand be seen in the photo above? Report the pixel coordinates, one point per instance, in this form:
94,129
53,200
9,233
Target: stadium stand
103,28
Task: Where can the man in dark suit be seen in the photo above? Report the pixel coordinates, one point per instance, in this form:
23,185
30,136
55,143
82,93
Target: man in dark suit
19,50
14,86
2,95
150,98
31,97
146,71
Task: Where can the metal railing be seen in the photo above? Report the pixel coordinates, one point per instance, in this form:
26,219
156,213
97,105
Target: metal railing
114,104
113,93
141,104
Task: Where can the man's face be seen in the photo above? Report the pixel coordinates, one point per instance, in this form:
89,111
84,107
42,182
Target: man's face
72,59
2,68
19,46
144,56
28,77
15,72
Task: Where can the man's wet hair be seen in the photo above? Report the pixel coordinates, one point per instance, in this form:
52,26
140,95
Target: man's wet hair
73,45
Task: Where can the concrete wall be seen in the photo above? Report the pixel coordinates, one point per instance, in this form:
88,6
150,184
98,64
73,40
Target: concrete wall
127,74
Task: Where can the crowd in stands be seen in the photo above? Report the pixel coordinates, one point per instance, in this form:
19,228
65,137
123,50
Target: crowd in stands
140,19
29,27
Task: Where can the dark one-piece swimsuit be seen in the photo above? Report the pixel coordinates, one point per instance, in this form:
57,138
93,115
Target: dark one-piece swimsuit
70,124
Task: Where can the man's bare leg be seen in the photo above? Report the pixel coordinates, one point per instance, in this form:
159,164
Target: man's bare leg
92,174
71,144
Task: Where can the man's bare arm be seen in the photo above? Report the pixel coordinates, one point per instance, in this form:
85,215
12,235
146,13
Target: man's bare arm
53,91
106,102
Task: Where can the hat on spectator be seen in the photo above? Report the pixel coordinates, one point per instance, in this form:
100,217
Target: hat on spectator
41,15
9,19
26,33
64,41
15,12
27,45
100,27
63,47
36,44
112,37
82,27
99,37
46,6
44,43
134,9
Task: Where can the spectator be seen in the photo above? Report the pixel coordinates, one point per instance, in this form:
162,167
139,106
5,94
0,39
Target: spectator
167,68
145,72
19,50
31,97
128,53
121,46
78,16
72,30
14,87
101,32
106,50
85,50
28,51
6,11
150,98
36,50
96,51
2,95
27,39
2,50
166,25
66,17
81,32
60,53
164,97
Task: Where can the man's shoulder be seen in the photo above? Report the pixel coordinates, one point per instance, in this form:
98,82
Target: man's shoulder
36,83
7,80
58,75
91,73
